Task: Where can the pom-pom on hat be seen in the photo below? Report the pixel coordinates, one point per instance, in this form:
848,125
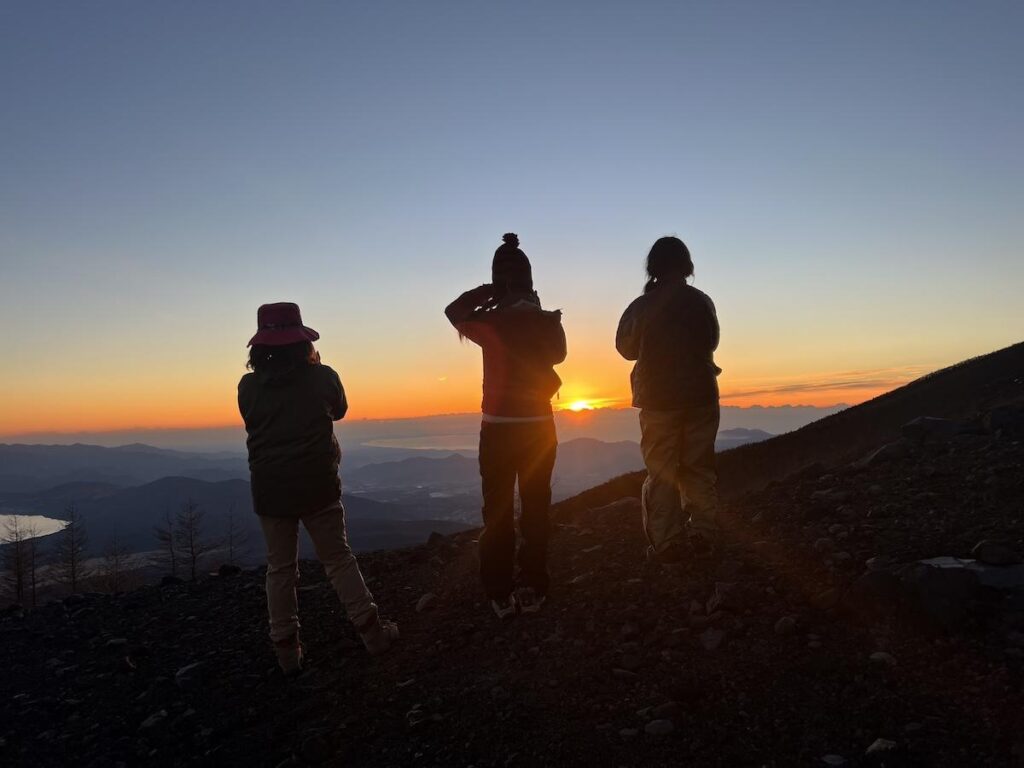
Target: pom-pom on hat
511,268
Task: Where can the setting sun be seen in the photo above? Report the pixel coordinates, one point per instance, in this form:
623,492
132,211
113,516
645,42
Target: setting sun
581,405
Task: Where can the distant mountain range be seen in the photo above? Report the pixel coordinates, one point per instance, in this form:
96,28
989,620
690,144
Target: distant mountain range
132,513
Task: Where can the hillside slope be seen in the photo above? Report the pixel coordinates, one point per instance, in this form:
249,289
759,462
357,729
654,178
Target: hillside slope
961,391
758,660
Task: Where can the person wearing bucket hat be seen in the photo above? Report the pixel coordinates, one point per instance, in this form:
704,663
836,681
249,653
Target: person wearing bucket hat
521,344
289,403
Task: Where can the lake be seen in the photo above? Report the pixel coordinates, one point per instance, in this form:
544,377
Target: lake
44,526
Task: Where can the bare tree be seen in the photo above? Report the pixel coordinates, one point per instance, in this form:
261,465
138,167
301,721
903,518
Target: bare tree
168,556
32,560
188,537
116,560
15,557
71,548
236,538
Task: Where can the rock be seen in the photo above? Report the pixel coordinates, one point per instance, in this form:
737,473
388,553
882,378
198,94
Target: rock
992,552
825,600
881,745
926,428
659,728
833,760
624,674
435,539
189,675
155,719
629,733
116,642
877,563
725,597
824,545
881,657
315,749
666,711
631,662
426,603
1006,420
629,630
711,638
888,452
785,626
228,569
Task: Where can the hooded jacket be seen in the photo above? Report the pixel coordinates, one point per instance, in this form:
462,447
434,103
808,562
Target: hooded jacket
293,453
672,333
521,344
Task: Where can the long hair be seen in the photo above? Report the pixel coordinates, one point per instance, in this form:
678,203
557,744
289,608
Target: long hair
668,258
275,359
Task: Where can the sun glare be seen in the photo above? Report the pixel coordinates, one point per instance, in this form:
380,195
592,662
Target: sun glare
581,405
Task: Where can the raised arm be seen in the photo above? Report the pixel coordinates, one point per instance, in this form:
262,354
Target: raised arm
464,307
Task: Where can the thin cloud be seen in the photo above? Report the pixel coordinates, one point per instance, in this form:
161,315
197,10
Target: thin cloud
884,379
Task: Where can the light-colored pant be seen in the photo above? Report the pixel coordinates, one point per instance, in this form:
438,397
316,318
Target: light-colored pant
327,530
679,451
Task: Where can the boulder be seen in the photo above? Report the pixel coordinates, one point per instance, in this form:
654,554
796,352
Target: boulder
1006,420
991,552
930,428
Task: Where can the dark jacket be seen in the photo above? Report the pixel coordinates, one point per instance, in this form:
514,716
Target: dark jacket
521,344
293,454
672,333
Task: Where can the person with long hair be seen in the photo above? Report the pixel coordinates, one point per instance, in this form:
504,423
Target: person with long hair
672,332
289,403
521,344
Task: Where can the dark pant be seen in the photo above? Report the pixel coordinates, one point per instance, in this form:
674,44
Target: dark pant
523,450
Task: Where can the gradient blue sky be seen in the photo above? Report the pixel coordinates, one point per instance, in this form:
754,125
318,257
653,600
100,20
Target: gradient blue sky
848,177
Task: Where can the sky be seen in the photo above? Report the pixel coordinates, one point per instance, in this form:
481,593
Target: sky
848,178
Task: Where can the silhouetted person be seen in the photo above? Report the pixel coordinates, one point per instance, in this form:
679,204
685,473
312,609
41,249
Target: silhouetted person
289,403
521,344
671,331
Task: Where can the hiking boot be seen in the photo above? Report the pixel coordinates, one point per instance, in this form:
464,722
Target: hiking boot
289,655
529,600
505,608
379,636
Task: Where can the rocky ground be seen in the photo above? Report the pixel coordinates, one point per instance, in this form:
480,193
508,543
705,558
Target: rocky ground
785,653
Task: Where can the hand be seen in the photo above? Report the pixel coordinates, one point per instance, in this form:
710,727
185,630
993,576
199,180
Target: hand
482,293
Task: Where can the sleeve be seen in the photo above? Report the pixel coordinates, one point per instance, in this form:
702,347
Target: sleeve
715,329
336,400
558,347
241,396
627,337
465,306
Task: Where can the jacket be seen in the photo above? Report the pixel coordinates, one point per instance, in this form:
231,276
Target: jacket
293,453
672,333
521,344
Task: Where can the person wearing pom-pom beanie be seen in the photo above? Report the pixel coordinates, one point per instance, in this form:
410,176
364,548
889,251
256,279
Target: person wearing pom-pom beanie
521,344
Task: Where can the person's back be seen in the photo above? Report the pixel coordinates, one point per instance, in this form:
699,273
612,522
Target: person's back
521,344
289,403
671,332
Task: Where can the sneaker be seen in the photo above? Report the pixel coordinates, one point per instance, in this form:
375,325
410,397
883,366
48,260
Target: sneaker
529,600
289,655
380,636
506,608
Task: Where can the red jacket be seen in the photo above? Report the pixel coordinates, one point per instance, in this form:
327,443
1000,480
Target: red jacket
521,344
